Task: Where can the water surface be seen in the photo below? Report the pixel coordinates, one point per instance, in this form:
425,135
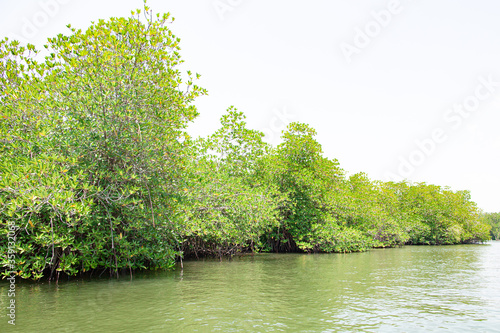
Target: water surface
409,289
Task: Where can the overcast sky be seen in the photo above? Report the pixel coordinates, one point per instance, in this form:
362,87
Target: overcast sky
397,89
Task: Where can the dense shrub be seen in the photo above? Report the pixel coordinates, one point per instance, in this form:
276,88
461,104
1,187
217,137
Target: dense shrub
97,171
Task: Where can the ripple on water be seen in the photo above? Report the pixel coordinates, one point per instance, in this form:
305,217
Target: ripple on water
410,289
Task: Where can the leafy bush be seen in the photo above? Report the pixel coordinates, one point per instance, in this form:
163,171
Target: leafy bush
97,171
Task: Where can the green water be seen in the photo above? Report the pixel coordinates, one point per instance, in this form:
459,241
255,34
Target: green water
410,289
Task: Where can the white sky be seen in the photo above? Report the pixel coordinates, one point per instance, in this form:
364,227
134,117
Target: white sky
280,61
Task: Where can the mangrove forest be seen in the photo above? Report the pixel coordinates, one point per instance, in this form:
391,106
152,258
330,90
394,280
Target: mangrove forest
98,172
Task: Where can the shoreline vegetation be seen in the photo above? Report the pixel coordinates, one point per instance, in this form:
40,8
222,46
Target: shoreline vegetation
98,173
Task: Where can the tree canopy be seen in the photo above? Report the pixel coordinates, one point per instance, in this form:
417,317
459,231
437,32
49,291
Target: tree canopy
97,171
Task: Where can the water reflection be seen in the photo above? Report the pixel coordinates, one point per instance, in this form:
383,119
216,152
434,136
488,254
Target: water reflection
455,288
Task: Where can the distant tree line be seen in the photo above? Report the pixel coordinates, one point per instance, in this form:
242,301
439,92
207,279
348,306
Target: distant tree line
98,173
493,220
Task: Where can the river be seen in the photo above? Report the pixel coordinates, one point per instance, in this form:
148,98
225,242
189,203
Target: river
409,289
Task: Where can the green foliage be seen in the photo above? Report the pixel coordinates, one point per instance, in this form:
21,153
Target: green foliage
226,208
93,148
97,171
493,220
448,217
312,187
326,211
